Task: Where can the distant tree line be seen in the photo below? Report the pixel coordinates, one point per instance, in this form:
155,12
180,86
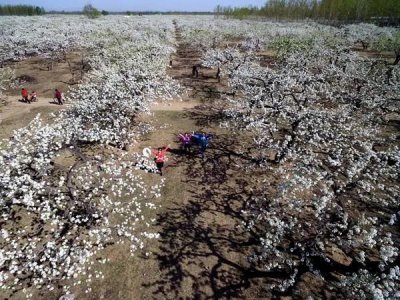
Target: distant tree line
21,10
132,13
91,12
335,10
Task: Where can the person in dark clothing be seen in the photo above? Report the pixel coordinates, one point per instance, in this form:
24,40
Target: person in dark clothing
58,96
195,71
186,141
202,140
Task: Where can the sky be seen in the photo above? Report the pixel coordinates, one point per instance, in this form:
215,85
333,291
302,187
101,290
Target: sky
135,5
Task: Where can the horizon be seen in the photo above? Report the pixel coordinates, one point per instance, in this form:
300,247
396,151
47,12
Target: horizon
120,6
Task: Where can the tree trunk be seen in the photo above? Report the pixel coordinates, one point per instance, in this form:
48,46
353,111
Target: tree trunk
397,60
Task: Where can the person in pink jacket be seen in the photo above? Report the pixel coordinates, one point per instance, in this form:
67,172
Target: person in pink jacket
186,141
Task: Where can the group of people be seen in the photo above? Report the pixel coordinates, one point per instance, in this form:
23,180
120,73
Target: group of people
199,138
187,140
33,96
28,98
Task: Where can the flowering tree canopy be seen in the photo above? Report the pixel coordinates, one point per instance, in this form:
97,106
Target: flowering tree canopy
318,119
67,190
321,123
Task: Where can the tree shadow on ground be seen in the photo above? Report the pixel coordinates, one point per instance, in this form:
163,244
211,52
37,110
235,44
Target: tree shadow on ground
207,116
204,247
204,244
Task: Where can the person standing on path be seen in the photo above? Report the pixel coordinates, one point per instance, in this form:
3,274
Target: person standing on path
24,94
202,140
58,96
186,141
159,157
195,71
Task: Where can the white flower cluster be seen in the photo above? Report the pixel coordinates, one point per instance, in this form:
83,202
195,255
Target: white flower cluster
207,32
317,119
127,73
365,34
29,36
366,285
66,191
6,81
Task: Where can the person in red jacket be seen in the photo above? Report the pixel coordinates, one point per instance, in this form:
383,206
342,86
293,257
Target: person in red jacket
159,157
24,94
58,96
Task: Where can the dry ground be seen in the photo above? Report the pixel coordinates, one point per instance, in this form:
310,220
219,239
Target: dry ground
202,250
17,114
32,73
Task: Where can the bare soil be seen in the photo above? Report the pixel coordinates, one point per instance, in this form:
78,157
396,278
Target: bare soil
17,114
202,250
384,55
33,74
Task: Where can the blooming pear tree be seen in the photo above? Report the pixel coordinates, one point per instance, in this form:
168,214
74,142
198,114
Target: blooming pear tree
67,190
121,85
365,34
389,42
72,211
317,121
7,76
46,36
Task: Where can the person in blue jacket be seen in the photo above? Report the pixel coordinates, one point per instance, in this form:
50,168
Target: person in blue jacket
202,140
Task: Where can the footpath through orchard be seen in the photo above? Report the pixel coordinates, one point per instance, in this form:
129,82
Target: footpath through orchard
202,249
201,252
17,114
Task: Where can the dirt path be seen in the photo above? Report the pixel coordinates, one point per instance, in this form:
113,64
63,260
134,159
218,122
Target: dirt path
202,250
32,73
205,86
17,114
